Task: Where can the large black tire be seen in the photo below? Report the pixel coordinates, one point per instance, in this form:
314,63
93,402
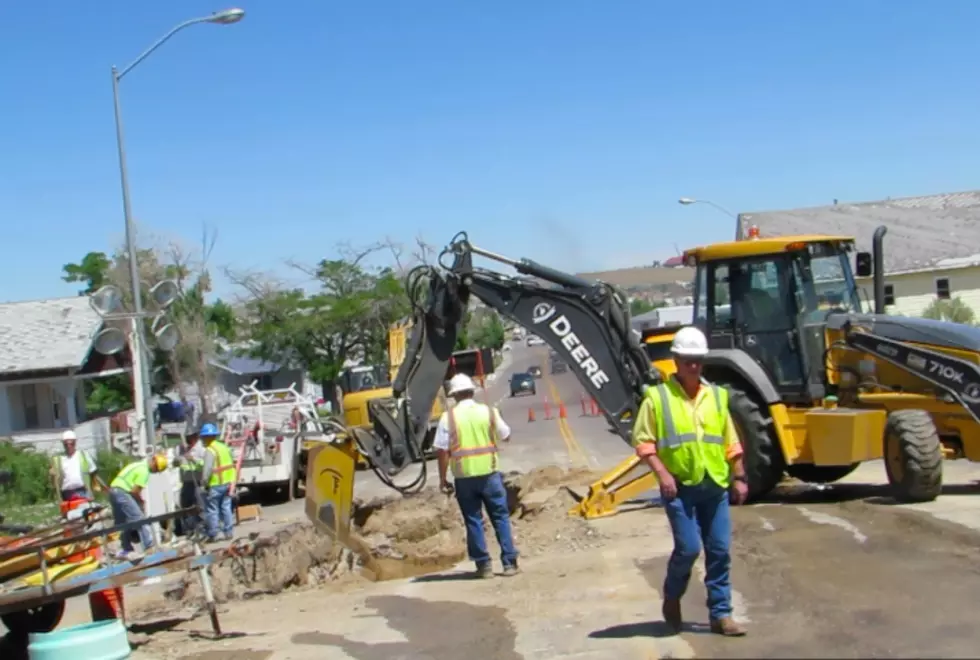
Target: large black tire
913,456
820,474
42,619
763,459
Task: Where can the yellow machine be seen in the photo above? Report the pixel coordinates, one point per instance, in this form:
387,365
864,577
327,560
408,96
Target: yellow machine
362,384
818,386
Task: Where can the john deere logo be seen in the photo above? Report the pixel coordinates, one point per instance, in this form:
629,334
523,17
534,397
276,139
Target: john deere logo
542,312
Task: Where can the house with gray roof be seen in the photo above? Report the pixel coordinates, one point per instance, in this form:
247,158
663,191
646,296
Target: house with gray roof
46,353
932,248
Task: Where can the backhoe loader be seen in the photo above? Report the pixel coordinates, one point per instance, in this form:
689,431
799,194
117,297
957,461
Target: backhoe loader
816,385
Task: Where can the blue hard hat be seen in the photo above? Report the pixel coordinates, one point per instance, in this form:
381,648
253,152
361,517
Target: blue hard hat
209,430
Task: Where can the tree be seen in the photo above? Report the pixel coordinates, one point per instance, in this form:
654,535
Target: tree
199,323
346,316
487,331
92,271
955,311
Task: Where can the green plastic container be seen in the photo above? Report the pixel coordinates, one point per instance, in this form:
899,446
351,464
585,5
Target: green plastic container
101,640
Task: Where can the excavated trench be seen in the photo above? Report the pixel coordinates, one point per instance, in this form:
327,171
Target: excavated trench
398,537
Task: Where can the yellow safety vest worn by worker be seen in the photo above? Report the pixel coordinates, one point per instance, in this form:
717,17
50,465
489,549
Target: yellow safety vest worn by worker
82,461
472,440
134,474
223,471
686,455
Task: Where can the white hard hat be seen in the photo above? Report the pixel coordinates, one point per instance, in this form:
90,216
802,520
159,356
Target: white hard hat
68,435
689,341
461,383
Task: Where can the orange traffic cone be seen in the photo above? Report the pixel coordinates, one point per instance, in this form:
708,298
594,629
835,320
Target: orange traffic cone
562,413
530,414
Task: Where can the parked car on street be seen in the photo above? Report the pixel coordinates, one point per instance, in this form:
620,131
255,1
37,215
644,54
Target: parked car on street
522,383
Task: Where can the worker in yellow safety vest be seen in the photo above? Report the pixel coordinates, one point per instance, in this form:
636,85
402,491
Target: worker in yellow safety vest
127,501
684,432
466,438
217,477
191,464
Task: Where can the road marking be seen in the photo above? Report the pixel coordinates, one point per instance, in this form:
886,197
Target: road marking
827,519
574,448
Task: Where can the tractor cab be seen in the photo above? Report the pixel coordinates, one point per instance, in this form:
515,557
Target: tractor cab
770,298
363,378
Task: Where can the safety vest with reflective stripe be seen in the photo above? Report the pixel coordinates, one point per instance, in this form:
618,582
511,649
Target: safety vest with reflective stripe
191,467
84,464
685,455
134,474
223,471
472,440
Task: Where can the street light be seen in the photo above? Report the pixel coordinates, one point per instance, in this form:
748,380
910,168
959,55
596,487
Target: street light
687,201
142,382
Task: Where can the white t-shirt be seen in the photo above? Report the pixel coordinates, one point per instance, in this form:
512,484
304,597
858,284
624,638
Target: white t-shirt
441,439
71,470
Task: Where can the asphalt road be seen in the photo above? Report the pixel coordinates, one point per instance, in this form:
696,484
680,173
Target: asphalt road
834,572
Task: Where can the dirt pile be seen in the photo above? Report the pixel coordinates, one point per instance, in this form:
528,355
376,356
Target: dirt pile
295,556
397,537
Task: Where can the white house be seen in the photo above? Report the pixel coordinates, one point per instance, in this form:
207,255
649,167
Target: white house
932,248
46,352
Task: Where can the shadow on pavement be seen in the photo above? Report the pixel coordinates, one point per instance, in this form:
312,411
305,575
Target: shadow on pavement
13,647
447,577
657,629
801,493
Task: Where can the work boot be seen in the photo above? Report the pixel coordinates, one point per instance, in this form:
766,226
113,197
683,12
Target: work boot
511,569
726,626
672,614
484,571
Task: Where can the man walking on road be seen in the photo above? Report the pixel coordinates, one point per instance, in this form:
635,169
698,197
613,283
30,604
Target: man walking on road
217,476
685,433
467,438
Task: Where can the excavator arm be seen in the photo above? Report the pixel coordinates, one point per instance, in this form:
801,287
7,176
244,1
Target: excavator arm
585,322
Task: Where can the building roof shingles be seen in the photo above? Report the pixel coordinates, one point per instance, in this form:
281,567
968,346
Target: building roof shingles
46,334
932,231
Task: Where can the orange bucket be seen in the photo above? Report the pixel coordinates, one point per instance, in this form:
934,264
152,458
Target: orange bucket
106,604
70,505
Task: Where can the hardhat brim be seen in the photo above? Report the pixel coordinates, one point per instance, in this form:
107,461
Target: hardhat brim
690,352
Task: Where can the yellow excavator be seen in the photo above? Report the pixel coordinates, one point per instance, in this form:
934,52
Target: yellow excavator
368,387
817,384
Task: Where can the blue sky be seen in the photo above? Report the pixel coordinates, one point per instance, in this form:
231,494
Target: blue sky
561,130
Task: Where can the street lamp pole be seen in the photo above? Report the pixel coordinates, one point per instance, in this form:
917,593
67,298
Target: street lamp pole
141,357
687,201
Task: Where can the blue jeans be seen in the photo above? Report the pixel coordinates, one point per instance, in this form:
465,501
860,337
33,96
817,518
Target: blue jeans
218,499
125,509
700,513
474,493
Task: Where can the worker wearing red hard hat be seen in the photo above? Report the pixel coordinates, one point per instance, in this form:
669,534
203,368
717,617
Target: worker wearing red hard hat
684,432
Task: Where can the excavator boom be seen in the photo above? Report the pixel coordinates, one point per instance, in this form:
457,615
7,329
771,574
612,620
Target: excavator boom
587,323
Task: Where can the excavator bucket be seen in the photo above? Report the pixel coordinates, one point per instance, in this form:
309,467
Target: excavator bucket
330,488
621,485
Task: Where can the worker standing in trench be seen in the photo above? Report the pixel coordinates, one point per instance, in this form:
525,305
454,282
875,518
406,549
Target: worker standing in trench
467,437
685,433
